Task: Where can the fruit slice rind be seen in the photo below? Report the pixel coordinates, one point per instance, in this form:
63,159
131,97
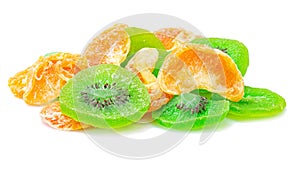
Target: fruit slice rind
74,106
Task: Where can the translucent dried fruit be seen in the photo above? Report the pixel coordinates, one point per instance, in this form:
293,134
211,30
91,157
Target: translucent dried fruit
109,47
141,38
18,83
257,103
51,115
235,49
196,66
105,96
157,96
142,64
170,37
190,111
41,82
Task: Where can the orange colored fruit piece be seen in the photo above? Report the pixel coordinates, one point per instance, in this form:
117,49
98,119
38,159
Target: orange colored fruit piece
51,115
191,67
18,83
142,64
157,96
49,77
41,82
170,37
109,47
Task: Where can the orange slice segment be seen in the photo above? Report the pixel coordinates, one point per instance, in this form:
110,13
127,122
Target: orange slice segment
142,64
49,77
41,82
109,47
171,36
18,83
51,115
196,66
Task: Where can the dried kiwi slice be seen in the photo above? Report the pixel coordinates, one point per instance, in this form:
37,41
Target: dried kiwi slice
105,96
235,49
191,111
256,103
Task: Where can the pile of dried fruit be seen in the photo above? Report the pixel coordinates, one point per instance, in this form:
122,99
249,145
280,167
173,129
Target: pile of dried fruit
186,81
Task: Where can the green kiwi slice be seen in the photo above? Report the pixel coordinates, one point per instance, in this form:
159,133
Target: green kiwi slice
191,111
235,49
256,103
141,38
105,96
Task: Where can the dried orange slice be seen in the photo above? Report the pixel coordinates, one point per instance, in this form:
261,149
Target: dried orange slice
142,64
196,66
41,82
49,77
171,36
51,115
18,83
157,96
109,47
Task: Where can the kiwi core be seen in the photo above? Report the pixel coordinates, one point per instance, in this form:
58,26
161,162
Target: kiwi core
101,95
194,107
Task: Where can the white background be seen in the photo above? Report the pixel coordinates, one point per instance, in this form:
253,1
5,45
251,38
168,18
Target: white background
270,30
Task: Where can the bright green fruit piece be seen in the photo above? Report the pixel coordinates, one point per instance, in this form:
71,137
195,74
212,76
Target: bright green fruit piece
256,103
191,111
162,55
141,38
235,49
105,96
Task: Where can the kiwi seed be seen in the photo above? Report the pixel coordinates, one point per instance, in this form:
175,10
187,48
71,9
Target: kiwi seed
223,49
109,95
198,108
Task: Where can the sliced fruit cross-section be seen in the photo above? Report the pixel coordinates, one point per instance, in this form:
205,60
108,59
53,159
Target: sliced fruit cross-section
196,66
41,82
51,115
256,103
235,49
190,111
142,64
108,47
172,37
105,96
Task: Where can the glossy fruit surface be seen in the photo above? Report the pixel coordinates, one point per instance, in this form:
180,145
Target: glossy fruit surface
235,49
256,103
191,111
108,47
105,96
200,67
41,82
142,38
